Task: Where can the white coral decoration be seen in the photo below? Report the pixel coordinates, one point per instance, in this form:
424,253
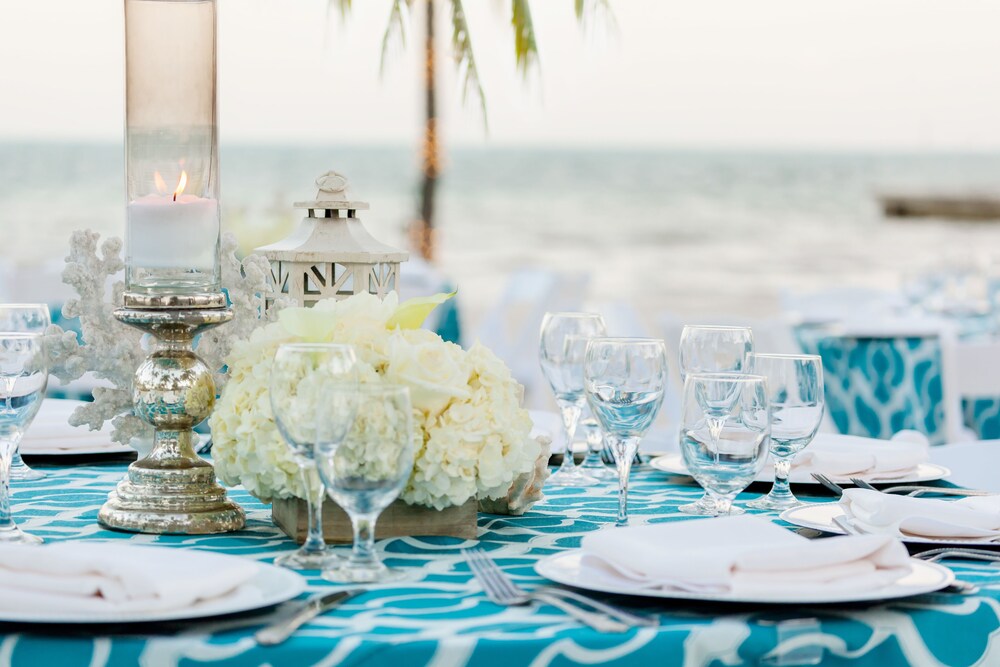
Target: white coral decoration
472,434
113,351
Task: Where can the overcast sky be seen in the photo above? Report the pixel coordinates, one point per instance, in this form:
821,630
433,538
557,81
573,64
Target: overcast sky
870,74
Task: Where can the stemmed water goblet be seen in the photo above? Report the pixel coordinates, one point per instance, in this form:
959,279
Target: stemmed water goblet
314,398
625,379
724,461
562,365
367,471
32,318
713,349
23,378
593,464
795,387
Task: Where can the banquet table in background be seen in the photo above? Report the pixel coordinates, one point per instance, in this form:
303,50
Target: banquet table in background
441,618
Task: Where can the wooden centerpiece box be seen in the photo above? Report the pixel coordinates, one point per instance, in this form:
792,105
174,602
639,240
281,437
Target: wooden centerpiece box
397,520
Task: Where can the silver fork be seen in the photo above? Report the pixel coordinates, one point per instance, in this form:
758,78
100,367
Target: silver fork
828,483
934,555
501,590
915,491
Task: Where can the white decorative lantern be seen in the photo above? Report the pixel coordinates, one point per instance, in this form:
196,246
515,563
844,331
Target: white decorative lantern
331,254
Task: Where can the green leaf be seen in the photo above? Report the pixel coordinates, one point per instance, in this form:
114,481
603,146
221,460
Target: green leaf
411,313
465,59
525,48
396,28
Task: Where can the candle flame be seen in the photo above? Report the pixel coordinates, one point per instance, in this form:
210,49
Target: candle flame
161,185
181,184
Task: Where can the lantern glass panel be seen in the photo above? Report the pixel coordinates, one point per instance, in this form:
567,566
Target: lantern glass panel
172,176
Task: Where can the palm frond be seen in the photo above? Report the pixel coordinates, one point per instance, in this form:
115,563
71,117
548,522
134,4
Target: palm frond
525,48
465,59
344,6
597,11
395,28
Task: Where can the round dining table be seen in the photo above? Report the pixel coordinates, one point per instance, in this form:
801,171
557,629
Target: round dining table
439,616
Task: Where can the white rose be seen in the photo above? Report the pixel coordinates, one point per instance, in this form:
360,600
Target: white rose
435,371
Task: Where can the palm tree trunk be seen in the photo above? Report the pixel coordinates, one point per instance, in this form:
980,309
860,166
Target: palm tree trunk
424,228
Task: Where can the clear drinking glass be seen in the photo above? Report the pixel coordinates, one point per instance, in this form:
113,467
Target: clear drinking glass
713,349
625,379
724,461
30,318
795,386
314,399
565,375
367,472
594,464
23,377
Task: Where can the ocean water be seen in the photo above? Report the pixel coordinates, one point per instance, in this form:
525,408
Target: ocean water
688,232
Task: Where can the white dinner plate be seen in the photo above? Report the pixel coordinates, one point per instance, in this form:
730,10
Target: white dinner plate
924,472
565,568
819,516
273,585
51,435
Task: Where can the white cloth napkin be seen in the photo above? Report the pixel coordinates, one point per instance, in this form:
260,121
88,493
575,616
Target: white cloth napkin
50,431
871,511
744,555
847,455
110,577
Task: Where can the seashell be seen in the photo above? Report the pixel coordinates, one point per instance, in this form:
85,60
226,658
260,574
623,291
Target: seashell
527,487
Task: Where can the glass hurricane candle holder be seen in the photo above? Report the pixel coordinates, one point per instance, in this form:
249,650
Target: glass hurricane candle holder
172,174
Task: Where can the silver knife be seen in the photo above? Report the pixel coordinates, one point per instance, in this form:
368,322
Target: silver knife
281,630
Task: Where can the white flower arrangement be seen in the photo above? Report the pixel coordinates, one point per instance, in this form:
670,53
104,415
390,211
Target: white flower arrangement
472,436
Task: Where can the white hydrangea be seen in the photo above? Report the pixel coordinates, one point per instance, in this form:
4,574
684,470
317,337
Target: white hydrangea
472,436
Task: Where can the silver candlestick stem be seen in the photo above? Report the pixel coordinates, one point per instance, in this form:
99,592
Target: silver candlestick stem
172,490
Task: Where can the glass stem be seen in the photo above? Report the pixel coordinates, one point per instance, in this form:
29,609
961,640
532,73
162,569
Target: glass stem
781,490
724,505
363,554
624,450
314,502
6,449
571,416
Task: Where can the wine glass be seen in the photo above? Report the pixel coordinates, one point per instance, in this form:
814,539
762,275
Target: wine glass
625,379
367,472
31,318
724,461
313,398
593,464
713,349
565,375
23,377
795,387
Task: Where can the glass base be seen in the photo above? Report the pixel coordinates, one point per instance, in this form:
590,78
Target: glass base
14,535
571,477
355,574
599,471
20,470
704,506
309,560
733,511
770,502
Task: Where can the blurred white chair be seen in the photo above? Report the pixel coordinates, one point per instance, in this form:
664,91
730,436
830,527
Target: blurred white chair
512,325
977,369
838,303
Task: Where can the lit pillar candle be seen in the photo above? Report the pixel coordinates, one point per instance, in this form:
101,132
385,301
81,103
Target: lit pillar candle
167,232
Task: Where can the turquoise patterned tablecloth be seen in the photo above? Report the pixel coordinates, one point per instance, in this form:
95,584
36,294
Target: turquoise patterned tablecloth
442,619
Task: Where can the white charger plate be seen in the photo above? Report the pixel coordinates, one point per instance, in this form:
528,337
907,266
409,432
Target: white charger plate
274,585
924,472
565,568
820,516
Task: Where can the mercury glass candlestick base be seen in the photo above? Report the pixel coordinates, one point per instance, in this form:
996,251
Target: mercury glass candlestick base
172,490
